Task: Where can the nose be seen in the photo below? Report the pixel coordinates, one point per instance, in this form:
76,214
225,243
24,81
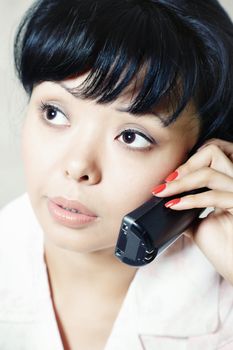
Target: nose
82,172
82,164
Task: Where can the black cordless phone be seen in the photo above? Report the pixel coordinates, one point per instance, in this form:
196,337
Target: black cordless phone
151,228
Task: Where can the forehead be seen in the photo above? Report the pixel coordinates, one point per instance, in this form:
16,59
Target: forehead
163,110
165,106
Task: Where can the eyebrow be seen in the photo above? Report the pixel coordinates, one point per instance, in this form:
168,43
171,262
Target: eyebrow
150,114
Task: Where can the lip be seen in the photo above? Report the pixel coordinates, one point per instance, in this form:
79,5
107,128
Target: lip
73,204
67,218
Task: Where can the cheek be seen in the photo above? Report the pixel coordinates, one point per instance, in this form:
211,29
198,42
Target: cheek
131,183
34,154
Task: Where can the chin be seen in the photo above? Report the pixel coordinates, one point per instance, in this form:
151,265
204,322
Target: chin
80,244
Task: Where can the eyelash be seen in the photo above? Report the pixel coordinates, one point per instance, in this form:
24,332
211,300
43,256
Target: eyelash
137,149
44,107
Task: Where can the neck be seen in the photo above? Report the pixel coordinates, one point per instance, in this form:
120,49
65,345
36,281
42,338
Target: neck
71,273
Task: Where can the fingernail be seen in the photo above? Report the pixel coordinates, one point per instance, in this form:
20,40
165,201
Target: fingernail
172,176
172,202
158,189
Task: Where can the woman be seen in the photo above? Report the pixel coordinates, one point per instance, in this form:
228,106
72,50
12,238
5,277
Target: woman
122,94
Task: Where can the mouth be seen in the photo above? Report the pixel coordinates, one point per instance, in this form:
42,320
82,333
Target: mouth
72,206
70,217
72,210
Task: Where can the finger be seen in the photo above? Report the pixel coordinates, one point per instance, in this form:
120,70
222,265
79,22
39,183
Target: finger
204,177
212,198
210,156
225,146
191,230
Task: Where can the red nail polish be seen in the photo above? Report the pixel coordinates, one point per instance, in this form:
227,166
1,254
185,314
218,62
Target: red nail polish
172,176
172,202
159,188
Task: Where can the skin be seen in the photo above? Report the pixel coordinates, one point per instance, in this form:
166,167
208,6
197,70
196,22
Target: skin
84,158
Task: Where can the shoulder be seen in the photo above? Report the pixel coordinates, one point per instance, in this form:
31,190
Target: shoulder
226,315
26,313
20,232
179,300
183,286
22,267
14,211
17,221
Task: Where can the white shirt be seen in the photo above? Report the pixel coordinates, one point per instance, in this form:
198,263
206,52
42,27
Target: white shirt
177,302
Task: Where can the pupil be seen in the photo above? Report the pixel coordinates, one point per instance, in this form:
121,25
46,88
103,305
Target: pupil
51,113
129,137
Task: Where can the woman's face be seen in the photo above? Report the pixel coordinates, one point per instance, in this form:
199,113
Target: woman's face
84,151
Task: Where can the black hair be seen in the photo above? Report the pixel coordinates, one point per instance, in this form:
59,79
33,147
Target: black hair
184,48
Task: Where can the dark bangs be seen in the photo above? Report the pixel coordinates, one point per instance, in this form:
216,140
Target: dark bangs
162,50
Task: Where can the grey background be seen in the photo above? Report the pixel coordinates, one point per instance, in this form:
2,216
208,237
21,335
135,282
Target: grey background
13,101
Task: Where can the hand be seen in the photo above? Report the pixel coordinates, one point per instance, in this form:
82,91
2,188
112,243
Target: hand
211,166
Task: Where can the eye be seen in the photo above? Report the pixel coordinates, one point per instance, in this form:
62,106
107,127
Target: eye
136,139
53,115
